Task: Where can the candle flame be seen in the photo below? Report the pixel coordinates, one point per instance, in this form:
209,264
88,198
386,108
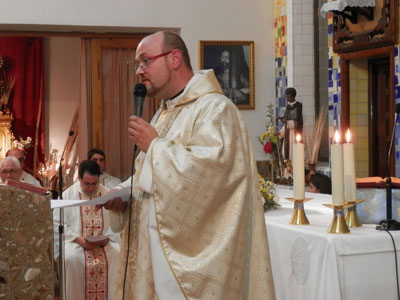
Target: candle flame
337,137
348,136
298,138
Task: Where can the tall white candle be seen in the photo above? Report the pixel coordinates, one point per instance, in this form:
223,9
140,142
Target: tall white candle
349,169
298,169
337,171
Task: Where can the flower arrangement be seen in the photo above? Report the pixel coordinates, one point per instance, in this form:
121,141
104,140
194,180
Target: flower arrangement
22,144
49,170
267,189
270,140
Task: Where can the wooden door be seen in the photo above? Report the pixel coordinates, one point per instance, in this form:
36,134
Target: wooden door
380,116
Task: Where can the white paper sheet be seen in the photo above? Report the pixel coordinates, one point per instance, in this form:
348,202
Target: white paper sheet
124,194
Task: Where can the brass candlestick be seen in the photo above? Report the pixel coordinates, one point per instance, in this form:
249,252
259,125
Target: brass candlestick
351,214
299,216
338,224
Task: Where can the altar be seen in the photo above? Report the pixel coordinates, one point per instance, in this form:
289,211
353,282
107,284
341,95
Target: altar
310,264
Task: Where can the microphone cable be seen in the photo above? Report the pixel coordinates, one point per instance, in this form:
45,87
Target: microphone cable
139,94
395,259
129,223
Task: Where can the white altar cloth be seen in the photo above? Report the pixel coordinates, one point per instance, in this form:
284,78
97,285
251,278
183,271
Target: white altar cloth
310,264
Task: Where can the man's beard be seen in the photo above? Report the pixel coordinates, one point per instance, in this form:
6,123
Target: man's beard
157,91
90,195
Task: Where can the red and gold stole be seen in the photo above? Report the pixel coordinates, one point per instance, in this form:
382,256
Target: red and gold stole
96,265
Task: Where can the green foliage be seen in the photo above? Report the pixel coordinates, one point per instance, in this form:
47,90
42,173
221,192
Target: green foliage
268,189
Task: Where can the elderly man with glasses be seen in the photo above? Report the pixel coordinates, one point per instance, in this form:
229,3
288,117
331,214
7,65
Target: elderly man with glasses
10,169
24,176
91,247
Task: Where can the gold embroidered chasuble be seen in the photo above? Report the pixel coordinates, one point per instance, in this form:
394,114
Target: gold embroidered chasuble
207,203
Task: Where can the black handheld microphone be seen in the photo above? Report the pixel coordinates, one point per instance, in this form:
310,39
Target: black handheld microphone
139,94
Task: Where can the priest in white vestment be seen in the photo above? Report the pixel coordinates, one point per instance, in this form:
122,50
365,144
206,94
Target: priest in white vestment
197,228
91,247
106,179
24,176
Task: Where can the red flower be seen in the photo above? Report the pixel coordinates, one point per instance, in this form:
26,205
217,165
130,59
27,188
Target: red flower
268,147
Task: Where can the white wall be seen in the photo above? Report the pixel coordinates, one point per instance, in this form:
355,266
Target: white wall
61,87
197,20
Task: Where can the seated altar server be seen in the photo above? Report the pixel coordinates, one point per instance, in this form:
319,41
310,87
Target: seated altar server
91,247
24,176
105,179
197,228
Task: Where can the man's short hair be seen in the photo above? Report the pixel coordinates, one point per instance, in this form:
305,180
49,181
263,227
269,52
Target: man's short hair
10,158
88,166
174,41
95,151
291,91
322,183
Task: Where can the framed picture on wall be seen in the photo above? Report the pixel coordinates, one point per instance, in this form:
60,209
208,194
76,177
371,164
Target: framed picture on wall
233,64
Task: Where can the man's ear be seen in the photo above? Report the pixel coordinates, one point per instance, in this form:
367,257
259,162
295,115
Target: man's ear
176,58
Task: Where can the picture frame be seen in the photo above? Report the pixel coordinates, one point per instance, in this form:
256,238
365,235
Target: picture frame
233,65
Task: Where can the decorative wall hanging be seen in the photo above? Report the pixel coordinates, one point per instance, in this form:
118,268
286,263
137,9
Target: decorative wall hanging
360,25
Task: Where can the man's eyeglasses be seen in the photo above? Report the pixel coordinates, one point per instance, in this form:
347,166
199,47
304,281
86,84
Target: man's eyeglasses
144,64
88,184
9,171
